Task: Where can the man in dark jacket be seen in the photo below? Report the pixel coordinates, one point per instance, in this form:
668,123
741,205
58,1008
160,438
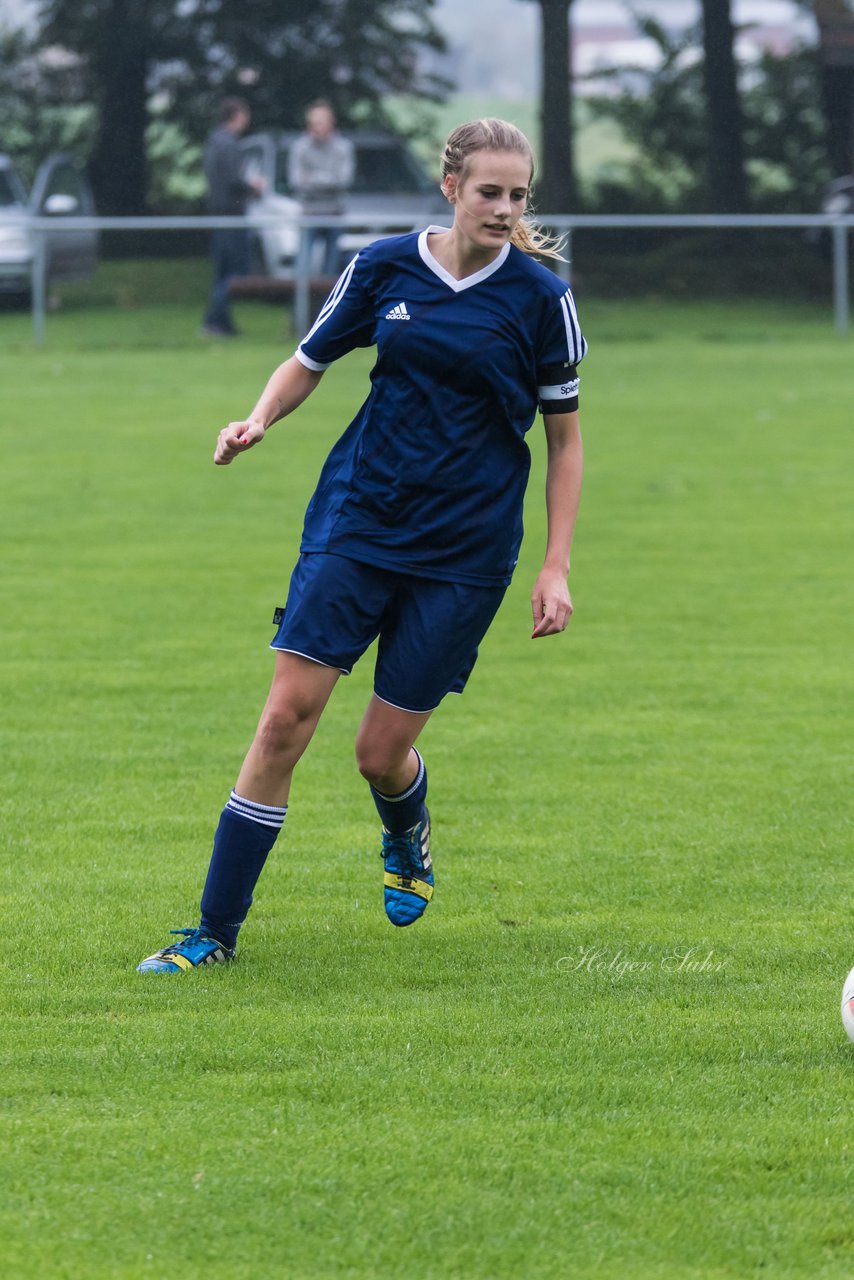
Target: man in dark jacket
228,191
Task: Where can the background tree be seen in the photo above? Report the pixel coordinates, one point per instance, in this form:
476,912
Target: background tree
354,52
556,186
662,113
727,187
835,20
785,132
120,43
163,64
41,103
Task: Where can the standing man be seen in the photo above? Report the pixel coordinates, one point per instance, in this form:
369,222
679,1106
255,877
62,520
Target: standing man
320,171
228,191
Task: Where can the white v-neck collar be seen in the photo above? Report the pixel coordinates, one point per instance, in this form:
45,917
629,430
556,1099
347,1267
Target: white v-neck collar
451,281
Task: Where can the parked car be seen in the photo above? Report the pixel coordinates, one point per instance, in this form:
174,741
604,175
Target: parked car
59,191
389,184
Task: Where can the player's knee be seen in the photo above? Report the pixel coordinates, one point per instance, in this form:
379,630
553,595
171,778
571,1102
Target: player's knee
281,726
376,759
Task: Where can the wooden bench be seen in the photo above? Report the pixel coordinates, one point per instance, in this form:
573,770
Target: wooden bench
269,287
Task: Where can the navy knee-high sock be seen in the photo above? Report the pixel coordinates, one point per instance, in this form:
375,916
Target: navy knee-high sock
400,812
246,833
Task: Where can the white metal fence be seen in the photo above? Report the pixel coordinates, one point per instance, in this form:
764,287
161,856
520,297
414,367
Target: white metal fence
839,229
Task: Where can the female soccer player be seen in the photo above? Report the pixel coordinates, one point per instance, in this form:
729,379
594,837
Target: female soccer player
413,531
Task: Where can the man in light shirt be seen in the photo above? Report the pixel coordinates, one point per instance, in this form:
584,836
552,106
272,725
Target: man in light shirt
321,164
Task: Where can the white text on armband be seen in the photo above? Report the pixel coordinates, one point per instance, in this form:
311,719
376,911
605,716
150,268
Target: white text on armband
561,391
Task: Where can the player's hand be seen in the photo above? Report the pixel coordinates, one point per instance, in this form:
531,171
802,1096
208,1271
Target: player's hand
236,438
551,604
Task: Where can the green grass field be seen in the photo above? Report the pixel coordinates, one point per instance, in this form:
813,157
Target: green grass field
612,1048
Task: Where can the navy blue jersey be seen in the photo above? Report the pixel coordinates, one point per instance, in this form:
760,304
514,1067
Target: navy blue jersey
430,475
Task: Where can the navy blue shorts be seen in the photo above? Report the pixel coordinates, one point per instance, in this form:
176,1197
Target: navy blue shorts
429,630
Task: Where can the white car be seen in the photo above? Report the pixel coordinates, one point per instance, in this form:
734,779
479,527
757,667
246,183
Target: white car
59,191
390,190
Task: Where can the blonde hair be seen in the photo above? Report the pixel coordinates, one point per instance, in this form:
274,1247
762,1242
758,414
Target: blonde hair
490,134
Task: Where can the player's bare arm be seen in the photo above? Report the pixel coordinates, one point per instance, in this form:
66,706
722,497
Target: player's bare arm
551,603
289,386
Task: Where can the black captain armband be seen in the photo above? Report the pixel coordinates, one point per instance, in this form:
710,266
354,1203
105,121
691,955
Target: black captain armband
557,388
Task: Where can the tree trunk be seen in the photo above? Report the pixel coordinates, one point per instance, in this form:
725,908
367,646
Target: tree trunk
836,51
726,176
118,164
838,106
556,190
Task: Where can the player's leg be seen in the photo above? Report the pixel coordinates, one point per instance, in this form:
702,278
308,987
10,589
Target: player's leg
331,256
255,811
428,647
300,690
333,613
217,318
389,762
254,814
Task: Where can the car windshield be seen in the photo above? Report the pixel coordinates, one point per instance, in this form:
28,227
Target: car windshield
381,169
11,190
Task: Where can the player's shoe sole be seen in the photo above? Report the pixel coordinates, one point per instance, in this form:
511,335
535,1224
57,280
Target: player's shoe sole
408,873
193,951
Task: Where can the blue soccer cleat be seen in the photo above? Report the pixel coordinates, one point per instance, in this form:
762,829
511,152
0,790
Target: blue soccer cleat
408,880
191,952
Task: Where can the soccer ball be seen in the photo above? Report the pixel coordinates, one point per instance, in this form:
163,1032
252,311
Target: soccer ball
848,1005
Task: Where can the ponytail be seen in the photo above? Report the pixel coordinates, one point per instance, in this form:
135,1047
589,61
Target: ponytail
531,238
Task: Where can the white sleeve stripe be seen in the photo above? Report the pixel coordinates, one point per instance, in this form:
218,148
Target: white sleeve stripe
573,334
332,301
575,343
314,365
338,289
570,302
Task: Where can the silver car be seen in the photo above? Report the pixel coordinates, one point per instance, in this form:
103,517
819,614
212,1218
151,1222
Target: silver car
59,191
390,190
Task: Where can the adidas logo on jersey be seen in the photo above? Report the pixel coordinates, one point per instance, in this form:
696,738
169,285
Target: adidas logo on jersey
398,313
